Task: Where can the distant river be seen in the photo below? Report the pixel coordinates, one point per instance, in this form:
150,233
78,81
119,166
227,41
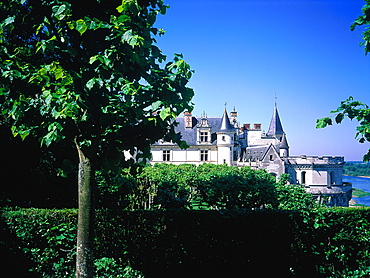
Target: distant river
360,183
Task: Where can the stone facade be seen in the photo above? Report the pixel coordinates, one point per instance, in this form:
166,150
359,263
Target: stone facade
221,140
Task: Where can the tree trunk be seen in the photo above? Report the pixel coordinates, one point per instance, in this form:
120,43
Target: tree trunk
84,259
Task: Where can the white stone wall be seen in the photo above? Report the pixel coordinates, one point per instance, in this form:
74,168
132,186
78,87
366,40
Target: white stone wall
191,155
224,155
255,138
319,170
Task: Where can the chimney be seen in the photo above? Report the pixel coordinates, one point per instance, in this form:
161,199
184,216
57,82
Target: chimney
257,126
247,126
233,118
188,119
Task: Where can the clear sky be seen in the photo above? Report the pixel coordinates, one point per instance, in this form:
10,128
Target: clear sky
245,51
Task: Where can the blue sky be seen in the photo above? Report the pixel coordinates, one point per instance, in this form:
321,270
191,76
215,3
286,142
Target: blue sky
245,51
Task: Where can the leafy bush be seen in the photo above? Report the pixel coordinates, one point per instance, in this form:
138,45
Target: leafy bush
206,186
109,267
321,242
293,196
226,187
47,238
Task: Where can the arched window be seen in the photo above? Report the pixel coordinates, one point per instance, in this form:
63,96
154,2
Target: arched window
303,177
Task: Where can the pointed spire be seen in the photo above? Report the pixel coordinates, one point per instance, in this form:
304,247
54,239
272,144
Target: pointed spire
276,128
225,123
284,143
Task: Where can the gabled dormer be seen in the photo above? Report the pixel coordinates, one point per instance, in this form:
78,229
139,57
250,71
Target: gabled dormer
203,130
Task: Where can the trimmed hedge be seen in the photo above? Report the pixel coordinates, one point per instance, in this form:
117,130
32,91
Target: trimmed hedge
183,243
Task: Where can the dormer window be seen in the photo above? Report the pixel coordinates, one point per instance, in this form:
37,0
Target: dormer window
203,137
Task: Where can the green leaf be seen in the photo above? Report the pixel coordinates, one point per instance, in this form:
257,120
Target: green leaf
9,20
183,145
81,26
131,39
120,8
90,83
24,134
339,118
59,14
93,59
156,105
165,113
58,73
321,123
71,25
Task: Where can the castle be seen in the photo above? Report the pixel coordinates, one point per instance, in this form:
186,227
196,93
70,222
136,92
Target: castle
221,140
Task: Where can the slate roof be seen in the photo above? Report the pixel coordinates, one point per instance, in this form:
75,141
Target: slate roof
255,153
284,143
276,127
190,134
225,124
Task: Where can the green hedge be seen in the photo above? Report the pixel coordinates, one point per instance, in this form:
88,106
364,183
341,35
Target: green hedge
183,243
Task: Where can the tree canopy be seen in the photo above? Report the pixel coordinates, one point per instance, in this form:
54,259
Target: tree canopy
90,73
90,76
351,108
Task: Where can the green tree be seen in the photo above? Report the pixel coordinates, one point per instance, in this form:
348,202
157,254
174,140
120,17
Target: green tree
92,76
351,108
293,196
228,187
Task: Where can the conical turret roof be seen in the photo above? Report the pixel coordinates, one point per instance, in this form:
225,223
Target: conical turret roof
276,127
284,143
225,123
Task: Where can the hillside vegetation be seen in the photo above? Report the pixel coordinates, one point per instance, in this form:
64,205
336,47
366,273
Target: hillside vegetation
357,169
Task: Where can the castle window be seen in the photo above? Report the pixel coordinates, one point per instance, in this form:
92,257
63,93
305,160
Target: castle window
166,155
223,138
271,157
303,177
203,137
331,178
203,155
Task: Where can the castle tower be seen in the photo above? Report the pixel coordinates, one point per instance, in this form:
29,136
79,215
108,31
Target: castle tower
225,141
284,147
276,128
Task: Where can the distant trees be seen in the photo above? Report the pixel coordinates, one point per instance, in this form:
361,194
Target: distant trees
351,108
357,169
